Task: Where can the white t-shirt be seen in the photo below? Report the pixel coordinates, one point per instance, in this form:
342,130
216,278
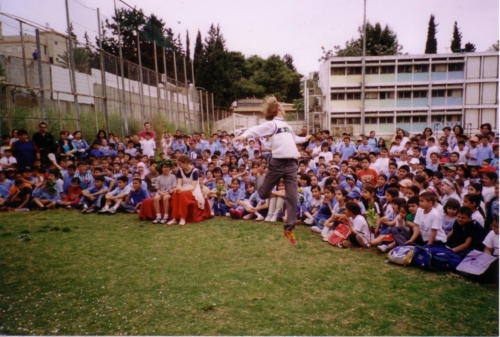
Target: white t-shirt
148,147
491,241
478,217
488,193
8,161
428,222
360,225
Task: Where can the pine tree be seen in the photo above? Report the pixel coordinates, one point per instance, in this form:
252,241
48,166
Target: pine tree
469,47
188,56
198,58
431,44
456,42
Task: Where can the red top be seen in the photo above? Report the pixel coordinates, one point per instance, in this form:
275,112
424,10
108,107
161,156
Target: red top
368,176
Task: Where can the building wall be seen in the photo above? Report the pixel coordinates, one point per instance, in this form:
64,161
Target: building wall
412,91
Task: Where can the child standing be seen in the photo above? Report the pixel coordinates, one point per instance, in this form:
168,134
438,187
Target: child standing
283,163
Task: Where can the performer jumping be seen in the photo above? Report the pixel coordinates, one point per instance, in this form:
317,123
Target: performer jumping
284,158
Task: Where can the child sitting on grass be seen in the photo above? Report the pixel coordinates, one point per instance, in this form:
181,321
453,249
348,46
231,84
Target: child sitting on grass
360,233
338,210
134,198
450,209
46,195
276,202
466,233
325,211
216,197
73,195
92,197
253,204
312,206
428,222
116,196
233,196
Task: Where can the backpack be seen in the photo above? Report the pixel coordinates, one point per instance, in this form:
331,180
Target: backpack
422,257
402,255
340,233
476,263
444,259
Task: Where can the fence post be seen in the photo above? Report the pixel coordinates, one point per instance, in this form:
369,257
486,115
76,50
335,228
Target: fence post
9,108
72,67
176,93
213,111
186,84
40,75
208,112
141,85
157,82
122,104
200,96
168,106
25,68
103,74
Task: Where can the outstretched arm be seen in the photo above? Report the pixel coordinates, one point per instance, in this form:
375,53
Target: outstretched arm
264,129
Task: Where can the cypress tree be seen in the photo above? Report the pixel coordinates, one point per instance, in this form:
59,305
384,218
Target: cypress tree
198,58
431,44
456,42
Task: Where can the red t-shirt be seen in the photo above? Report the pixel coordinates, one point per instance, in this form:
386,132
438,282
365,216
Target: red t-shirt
142,134
368,176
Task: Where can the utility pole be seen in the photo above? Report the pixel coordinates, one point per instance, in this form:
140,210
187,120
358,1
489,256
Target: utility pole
103,74
177,118
167,99
123,109
363,71
72,67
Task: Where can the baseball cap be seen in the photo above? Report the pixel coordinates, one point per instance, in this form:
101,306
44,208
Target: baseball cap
349,176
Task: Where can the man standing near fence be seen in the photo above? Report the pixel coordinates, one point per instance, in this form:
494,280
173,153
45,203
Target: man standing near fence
147,128
45,143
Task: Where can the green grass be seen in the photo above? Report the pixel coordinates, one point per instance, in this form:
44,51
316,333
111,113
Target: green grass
65,273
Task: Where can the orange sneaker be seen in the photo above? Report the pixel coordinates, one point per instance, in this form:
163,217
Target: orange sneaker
290,235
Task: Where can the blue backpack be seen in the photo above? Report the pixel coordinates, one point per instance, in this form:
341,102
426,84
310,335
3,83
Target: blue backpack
444,259
422,257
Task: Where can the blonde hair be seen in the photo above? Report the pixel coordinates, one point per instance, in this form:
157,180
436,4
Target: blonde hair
270,107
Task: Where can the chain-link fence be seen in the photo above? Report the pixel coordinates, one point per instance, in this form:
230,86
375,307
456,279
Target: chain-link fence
45,75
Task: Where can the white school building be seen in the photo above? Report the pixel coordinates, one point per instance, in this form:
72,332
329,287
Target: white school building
411,92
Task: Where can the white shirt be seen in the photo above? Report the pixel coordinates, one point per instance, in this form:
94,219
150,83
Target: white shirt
283,139
428,222
478,217
360,225
488,193
8,161
491,241
148,147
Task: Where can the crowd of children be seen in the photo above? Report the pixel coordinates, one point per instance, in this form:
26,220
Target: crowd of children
422,189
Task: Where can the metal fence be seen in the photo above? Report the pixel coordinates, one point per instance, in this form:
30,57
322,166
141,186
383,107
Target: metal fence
78,86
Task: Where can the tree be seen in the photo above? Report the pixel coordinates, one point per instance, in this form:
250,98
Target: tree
494,47
456,42
431,44
82,58
469,47
378,42
198,57
188,56
289,62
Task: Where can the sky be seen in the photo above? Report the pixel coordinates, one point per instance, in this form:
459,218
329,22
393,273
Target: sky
297,27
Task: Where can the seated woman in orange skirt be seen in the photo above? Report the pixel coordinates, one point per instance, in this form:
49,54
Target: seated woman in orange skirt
187,199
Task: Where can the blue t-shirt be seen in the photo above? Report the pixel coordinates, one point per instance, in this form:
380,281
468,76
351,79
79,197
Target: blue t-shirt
138,196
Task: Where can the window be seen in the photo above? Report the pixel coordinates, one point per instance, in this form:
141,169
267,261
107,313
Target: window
453,118
420,94
387,70
55,42
353,120
421,68
353,70
371,95
340,121
419,119
438,93
353,95
404,69
387,95
456,67
386,120
51,60
404,94
454,92
372,70
45,50
439,67
437,119
337,96
338,71
371,120
403,119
